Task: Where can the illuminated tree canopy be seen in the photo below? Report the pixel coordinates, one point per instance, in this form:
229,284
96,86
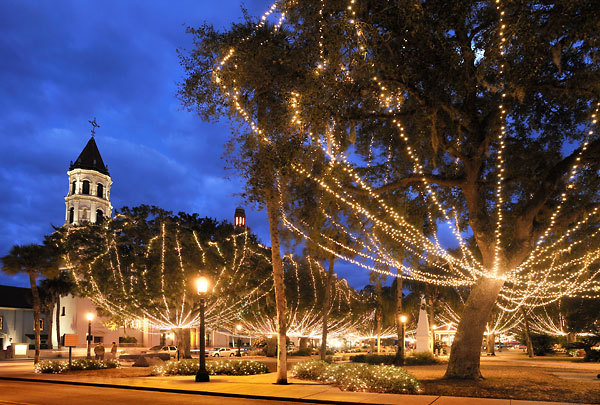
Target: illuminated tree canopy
143,264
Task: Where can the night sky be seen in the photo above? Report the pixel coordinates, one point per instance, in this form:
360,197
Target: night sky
64,63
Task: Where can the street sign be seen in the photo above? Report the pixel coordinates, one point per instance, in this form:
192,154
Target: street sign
70,340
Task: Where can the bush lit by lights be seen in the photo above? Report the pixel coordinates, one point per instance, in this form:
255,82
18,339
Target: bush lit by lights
358,377
50,367
227,367
417,359
57,367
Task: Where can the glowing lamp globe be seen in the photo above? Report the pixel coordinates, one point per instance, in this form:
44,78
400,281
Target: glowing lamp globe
202,285
90,316
238,327
403,318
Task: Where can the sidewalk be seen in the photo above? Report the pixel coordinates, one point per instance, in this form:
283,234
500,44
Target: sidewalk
259,387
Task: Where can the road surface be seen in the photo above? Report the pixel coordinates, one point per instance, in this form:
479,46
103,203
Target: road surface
33,393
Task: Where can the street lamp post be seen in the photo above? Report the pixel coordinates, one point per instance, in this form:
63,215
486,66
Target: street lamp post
202,375
402,340
90,317
239,342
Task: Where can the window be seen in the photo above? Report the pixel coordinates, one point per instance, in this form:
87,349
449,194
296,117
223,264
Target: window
1,322
99,216
98,339
100,191
73,187
63,311
41,324
71,215
86,187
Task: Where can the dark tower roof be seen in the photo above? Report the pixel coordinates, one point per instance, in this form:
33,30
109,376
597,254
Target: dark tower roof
90,159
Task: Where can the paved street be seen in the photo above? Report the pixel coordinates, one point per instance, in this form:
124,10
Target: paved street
16,392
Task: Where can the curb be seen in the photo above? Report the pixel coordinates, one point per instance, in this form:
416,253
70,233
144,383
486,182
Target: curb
180,391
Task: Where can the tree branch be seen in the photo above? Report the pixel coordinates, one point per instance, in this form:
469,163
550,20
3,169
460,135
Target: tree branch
553,179
431,178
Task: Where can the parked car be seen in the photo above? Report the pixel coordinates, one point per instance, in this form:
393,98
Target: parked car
221,352
172,350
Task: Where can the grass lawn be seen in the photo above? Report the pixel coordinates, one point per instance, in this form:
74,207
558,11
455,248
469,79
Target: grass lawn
508,379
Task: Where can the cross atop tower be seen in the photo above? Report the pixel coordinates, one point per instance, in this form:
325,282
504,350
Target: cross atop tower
94,126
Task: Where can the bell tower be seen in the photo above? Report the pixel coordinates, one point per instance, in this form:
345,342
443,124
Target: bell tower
239,219
88,199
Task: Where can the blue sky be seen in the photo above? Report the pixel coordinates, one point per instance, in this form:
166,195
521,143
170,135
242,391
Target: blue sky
64,63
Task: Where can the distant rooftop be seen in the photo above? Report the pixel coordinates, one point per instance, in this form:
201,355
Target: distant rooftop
90,159
15,297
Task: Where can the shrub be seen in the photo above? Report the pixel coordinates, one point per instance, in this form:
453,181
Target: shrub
592,355
127,339
174,367
419,358
310,370
374,358
236,367
543,344
301,352
85,364
358,377
228,367
57,367
50,367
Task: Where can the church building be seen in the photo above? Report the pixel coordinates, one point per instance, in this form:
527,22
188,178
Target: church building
89,188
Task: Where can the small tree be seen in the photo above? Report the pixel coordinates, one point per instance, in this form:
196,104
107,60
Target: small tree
51,291
36,261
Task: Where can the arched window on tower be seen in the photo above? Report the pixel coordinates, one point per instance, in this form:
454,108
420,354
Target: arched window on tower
71,215
99,216
86,187
100,191
73,187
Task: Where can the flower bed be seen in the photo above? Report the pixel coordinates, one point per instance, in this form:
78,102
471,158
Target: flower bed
57,367
227,367
358,377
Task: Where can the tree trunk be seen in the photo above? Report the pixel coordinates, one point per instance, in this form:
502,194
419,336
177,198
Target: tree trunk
36,315
399,329
527,333
273,215
179,342
187,353
49,320
465,353
326,304
58,315
379,316
431,303
491,339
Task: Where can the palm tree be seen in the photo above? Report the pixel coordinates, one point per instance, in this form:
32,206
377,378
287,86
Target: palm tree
36,261
53,290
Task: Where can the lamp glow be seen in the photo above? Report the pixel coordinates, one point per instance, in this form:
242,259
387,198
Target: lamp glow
238,327
202,285
403,318
90,316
